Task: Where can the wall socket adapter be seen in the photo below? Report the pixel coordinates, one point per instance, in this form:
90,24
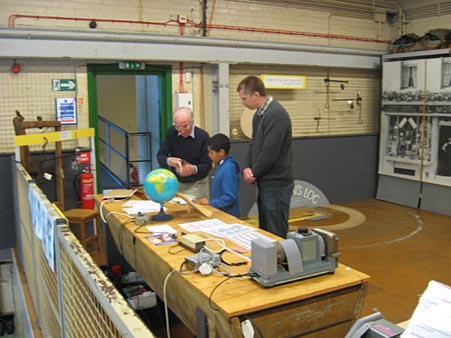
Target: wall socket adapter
192,242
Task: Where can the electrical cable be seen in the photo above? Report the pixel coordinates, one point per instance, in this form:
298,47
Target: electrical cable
224,247
141,232
260,333
166,312
175,246
212,291
120,235
248,274
111,212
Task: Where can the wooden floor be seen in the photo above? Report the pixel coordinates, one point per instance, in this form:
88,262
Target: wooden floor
400,248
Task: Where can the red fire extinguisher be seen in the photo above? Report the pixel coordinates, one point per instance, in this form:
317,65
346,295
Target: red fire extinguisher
87,190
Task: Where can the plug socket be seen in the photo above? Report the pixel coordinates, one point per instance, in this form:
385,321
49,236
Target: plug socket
192,242
141,219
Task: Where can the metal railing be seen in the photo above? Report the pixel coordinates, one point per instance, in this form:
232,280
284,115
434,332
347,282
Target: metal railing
127,156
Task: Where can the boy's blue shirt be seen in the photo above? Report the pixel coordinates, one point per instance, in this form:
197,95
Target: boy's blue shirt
224,193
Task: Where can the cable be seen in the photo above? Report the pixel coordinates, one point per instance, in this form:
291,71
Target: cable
141,232
260,333
224,247
166,313
214,289
111,212
175,246
120,236
248,274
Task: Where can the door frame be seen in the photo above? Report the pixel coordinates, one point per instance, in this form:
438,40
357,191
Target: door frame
164,73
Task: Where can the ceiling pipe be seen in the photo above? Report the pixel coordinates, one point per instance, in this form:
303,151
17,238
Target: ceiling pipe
179,40
203,25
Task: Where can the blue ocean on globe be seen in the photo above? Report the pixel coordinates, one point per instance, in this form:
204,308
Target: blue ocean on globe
160,185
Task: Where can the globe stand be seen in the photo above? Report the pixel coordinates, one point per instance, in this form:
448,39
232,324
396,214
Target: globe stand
161,217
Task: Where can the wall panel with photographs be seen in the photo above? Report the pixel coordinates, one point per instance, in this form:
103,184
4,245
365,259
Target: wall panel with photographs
416,118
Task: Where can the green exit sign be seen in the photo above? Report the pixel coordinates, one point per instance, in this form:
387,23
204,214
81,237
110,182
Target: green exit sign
64,85
132,65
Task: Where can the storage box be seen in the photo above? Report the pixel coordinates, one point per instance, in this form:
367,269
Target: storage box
143,301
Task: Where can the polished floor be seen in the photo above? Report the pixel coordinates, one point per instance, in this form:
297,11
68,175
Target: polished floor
400,248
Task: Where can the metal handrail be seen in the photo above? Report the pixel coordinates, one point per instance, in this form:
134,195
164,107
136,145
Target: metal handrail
121,168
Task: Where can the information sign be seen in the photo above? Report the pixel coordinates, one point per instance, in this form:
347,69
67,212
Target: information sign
66,110
133,65
64,85
284,81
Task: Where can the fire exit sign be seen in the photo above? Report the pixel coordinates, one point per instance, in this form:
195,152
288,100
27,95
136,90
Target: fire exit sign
132,65
64,85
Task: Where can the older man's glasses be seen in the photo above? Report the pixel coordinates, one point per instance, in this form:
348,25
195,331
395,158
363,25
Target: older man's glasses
185,127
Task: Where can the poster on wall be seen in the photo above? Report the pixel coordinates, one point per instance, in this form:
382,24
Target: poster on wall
416,120
66,110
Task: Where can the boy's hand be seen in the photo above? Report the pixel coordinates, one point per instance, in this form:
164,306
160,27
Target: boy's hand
203,201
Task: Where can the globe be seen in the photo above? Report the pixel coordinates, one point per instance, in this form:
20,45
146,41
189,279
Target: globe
161,185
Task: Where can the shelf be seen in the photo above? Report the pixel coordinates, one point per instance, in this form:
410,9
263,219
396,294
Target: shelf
417,55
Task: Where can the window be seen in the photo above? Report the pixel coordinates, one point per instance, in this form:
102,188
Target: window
446,72
408,76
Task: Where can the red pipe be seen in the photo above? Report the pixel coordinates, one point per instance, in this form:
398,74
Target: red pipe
279,31
13,17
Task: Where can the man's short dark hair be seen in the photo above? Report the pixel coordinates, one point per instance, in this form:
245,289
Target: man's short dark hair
218,142
252,84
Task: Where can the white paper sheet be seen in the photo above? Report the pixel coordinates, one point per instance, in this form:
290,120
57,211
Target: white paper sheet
432,316
158,229
132,207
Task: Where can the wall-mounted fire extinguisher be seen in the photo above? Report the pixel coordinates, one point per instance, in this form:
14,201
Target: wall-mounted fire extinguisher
86,190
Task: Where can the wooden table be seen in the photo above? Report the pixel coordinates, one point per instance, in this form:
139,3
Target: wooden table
324,306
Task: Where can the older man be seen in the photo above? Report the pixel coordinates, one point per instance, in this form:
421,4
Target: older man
184,151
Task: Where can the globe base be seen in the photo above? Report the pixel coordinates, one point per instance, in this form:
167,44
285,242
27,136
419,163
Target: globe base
161,217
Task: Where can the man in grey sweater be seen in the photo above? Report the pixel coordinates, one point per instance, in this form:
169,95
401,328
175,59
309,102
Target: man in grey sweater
269,160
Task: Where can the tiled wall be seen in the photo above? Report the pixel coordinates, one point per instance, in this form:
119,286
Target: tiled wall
314,111
30,91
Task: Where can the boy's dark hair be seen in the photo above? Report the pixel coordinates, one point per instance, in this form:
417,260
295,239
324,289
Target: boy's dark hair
218,142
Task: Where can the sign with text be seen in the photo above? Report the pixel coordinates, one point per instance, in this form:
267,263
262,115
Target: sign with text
284,81
133,65
64,85
66,110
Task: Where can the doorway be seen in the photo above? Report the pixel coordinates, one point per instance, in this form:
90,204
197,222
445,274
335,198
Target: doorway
136,102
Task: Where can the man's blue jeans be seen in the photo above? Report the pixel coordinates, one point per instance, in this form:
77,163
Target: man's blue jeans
273,208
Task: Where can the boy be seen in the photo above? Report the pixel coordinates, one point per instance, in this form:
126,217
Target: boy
224,191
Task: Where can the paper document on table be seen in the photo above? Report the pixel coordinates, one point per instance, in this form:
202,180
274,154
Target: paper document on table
226,230
178,200
201,225
244,239
162,228
432,316
133,207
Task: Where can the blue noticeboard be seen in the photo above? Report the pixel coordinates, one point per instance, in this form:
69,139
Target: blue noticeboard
66,110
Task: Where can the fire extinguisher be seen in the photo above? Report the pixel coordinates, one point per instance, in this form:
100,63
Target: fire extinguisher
87,190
